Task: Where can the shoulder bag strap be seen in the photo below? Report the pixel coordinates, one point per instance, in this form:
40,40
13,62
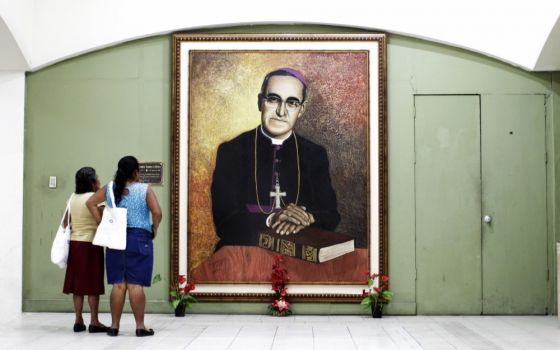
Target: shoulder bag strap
112,194
67,211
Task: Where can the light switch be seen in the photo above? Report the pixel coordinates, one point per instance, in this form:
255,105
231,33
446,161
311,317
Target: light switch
52,181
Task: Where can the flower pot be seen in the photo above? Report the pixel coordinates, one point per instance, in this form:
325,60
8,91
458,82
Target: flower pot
280,313
180,310
377,310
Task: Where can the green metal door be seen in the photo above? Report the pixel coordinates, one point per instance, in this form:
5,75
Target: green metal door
480,173
448,205
514,254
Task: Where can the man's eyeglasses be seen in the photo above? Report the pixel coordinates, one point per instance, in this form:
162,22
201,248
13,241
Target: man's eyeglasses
292,104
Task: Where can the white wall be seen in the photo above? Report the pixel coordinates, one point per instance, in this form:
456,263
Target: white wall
11,58
12,93
513,31
18,17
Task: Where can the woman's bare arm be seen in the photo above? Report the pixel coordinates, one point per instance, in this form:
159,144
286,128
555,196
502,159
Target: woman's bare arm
93,201
155,209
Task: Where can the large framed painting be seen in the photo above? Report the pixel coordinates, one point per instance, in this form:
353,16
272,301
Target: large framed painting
279,148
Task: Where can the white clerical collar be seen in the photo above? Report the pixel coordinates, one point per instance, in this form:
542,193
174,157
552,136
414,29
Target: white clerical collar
274,140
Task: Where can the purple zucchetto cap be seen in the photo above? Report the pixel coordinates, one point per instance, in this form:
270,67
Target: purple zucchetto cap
295,73
283,71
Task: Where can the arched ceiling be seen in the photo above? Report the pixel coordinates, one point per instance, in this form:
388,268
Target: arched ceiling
11,58
37,33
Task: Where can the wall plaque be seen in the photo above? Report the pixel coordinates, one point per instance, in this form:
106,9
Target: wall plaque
151,173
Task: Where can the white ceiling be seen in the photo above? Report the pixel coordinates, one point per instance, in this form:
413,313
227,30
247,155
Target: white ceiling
37,33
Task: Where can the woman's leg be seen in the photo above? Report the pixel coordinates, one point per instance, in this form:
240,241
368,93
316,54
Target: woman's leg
118,294
78,307
93,301
138,303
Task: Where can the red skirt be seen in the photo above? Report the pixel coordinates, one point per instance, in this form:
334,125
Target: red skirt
85,269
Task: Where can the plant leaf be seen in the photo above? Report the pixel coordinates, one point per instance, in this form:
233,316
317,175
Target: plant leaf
190,299
387,295
174,304
366,301
156,279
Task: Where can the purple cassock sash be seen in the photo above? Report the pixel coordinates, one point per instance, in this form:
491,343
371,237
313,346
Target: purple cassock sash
254,208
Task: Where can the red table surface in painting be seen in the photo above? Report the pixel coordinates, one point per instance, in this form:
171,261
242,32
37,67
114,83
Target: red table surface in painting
241,264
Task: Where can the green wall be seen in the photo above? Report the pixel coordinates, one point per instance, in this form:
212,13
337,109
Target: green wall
93,109
554,194
420,67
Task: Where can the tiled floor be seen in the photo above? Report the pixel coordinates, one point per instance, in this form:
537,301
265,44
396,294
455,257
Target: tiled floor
53,331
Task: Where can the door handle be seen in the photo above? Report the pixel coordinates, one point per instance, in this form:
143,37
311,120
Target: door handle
487,219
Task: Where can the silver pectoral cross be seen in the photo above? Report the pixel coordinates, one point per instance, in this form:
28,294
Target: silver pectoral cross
277,195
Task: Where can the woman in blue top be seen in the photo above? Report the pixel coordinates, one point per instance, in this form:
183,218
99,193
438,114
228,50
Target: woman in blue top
130,269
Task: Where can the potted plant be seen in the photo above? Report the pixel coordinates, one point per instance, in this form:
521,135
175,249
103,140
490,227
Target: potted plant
377,294
181,299
280,306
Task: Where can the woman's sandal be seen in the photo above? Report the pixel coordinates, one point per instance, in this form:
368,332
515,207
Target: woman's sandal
142,332
112,332
79,327
97,329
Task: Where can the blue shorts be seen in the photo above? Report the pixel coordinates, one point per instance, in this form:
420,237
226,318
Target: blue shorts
134,264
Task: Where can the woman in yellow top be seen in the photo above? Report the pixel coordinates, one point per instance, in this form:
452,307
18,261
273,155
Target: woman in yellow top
85,270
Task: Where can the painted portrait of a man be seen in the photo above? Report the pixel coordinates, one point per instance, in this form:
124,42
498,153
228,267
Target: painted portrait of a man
269,177
279,147
281,150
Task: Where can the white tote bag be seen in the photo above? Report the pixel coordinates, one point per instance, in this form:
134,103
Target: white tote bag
61,242
111,232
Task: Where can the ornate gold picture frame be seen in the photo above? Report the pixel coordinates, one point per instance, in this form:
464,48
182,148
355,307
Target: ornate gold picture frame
217,79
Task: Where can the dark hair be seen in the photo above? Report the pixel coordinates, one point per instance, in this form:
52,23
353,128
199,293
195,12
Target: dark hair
85,180
125,171
282,72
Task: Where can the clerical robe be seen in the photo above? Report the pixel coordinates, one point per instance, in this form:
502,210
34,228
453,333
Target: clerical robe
238,218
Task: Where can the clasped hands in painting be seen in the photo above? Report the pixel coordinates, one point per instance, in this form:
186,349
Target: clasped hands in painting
291,219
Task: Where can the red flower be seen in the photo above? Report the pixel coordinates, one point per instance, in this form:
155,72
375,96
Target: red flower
279,276
385,278
377,290
279,279
181,278
181,290
281,304
189,287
